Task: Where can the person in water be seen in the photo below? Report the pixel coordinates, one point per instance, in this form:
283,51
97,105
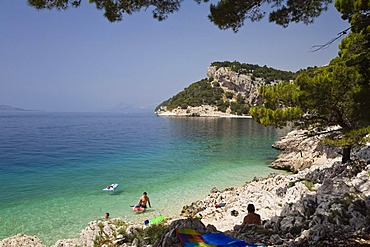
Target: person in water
252,217
144,199
106,216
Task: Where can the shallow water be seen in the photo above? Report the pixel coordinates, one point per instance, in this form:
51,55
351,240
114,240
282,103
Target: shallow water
53,166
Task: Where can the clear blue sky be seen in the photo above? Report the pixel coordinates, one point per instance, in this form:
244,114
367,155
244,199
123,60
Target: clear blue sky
76,60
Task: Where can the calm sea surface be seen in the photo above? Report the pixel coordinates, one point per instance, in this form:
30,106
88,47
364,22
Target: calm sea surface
53,166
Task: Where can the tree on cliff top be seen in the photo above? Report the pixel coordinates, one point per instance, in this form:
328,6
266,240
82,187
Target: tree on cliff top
330,96
336,95
225,13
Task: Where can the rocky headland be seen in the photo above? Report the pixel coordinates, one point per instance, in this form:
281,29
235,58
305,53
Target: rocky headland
229,81
322,202
8,108
229,93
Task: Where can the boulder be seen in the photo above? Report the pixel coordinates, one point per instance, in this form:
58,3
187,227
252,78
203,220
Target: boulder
301,151
22,240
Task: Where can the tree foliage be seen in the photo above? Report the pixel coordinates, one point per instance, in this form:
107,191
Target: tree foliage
114,10
238,108
280,105
332,96
197,94
336,95
224,13
264,72
233,13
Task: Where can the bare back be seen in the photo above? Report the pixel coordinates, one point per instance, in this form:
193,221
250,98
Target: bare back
252,218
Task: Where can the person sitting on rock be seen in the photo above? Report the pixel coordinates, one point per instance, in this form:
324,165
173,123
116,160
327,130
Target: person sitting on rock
252,217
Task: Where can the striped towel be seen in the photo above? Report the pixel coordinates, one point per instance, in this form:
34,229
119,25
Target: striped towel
191,238
221,240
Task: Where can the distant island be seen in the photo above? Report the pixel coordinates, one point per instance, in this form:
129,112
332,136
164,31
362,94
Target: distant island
229,90
10,108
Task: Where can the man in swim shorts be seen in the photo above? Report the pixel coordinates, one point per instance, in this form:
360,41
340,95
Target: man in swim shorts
144,199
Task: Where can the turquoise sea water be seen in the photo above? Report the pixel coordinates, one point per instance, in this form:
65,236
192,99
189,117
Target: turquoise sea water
53,166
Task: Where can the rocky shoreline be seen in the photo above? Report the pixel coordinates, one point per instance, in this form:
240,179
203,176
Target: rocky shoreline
199,111
324,203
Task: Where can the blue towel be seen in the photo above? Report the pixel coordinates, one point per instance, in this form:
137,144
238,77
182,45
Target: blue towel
221,240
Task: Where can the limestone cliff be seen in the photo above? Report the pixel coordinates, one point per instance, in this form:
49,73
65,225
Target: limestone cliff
236,83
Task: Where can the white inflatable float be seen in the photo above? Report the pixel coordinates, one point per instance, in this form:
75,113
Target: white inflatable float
110,187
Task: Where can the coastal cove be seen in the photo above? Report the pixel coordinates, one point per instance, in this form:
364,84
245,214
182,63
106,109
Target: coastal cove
55,165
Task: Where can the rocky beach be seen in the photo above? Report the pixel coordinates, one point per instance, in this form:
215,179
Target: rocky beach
321,202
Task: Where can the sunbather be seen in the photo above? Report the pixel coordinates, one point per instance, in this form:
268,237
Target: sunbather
252,217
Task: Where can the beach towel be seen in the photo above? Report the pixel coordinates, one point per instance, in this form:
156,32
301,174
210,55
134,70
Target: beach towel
157,220
191,238
221,240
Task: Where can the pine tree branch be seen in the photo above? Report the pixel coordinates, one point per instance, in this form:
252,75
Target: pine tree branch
327,44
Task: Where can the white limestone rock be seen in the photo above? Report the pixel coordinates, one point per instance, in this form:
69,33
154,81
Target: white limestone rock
22,240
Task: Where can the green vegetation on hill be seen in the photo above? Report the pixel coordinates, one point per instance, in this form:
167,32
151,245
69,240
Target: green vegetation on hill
197,94
240,107
256,71
205,93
